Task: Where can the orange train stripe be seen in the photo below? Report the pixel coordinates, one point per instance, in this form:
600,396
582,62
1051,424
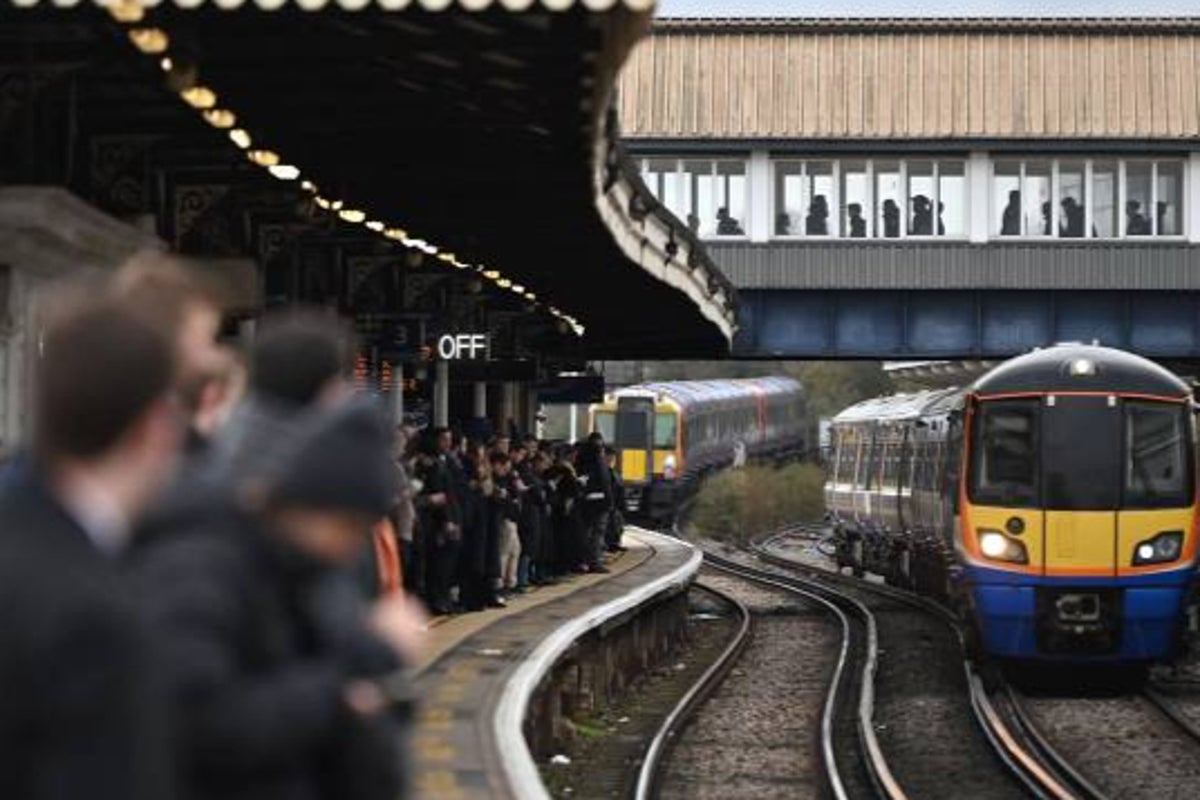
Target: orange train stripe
1126,395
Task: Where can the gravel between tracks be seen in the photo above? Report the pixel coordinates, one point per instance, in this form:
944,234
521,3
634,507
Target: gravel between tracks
923,715
757,736
607,749
1124,745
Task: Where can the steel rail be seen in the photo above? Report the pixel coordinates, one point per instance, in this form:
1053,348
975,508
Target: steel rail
1019,745
649,774
838,604
1172,712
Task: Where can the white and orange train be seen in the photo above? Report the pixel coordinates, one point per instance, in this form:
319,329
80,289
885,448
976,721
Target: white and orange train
669,435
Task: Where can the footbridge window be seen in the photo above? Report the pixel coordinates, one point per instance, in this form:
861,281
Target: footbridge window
710,195
1087,198
869,198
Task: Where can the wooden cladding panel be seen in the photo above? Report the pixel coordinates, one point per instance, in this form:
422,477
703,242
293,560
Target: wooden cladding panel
912,84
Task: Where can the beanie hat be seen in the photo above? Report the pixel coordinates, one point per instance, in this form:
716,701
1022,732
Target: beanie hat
341,461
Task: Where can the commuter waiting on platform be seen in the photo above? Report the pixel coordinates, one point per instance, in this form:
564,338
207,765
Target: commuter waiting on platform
274,659
727,225
817,221
1010,220
857,222
82,703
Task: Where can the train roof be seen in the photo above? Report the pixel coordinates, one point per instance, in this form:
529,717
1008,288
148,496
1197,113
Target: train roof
1081,368
898,407
689,392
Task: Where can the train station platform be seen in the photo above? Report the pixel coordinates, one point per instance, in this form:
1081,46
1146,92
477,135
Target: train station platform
482,669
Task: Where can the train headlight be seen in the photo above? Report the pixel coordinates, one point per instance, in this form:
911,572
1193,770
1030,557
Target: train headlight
1162,548
669,467
998,547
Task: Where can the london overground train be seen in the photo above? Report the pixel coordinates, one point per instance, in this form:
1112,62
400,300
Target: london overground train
1054,500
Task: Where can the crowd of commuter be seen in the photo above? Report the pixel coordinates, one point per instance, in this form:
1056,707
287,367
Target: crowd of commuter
212,564
481,520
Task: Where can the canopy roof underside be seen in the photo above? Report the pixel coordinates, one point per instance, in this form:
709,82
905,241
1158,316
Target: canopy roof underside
479,131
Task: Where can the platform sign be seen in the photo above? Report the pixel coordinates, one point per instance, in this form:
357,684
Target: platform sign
463,347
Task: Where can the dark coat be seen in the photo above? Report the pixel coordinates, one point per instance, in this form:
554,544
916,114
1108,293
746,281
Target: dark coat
81,710
533,511
260,642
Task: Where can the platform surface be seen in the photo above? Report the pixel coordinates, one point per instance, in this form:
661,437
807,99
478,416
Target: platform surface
472,657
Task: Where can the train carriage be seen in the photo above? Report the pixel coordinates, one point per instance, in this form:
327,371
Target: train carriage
1054,499
668,435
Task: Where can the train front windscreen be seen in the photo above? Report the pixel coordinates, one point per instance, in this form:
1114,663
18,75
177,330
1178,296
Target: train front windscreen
1081,453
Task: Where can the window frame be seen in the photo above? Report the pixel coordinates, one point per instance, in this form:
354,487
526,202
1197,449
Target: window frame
996,209
685,187
835,201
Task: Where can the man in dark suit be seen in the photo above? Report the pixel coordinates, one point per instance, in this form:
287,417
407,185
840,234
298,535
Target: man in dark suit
80,714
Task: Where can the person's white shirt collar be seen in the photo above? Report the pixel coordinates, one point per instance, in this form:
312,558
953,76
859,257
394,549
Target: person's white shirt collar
96,511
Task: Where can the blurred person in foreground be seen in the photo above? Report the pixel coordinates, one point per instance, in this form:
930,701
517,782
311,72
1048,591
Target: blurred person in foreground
280,686
186,308
301,359
81,714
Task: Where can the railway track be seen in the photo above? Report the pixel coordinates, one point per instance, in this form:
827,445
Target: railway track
1001,713
852,762
648,781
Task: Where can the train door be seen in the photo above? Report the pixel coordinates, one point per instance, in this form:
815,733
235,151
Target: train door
904,481
634,438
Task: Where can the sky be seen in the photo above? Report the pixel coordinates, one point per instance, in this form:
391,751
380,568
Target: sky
926,8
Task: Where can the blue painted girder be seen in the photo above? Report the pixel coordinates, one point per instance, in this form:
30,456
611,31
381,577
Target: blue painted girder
916,324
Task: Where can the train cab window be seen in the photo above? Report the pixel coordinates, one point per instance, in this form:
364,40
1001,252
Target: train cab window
605,423
1004,462
1081,445
664,431
1156,464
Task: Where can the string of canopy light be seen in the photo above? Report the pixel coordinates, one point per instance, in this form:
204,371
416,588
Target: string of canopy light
155,42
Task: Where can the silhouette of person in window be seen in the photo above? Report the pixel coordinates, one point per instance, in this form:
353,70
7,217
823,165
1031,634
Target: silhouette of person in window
941,223
727,225
922,218
783,224
817,221
1047,228
1161,212
1136,223
891,219
858,223
1010,222
1072,223
693,222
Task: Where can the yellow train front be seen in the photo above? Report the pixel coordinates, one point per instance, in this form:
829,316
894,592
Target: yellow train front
1054,500
1077,509
669,435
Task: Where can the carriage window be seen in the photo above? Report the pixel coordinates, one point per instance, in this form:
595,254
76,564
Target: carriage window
664,431
1156,442
1004,462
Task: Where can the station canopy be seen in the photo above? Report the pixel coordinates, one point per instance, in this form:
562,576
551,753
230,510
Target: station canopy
480,133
